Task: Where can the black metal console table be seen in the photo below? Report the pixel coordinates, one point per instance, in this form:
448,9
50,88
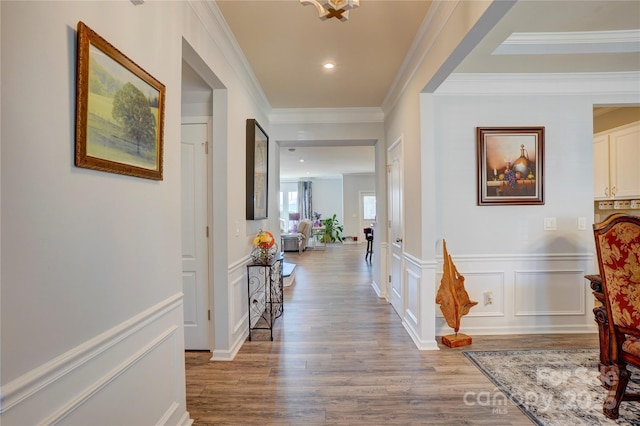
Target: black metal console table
264,288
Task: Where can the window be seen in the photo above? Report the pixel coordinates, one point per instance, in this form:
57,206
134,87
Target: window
292,202
369,207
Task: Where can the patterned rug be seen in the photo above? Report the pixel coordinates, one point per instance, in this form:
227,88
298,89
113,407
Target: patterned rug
552,387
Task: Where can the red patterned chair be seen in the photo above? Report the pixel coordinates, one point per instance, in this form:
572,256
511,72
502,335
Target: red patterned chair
618,249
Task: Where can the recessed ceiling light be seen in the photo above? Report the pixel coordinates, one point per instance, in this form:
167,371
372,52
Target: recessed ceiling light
292,149
328,65
302,160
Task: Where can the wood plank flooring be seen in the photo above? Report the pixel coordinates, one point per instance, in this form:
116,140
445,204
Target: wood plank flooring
340,356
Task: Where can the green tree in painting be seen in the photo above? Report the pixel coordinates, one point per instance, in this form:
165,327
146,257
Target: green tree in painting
131,109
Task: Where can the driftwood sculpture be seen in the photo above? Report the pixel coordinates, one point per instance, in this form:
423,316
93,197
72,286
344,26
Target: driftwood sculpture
453,300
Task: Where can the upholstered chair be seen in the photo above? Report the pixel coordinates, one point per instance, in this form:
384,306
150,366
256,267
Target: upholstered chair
617,241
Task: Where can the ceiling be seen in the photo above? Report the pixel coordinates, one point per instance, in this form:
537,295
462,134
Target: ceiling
285,44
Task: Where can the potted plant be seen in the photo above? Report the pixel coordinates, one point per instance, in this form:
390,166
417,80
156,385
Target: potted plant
332,229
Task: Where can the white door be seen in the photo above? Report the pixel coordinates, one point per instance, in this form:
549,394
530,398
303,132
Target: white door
195,256
396,230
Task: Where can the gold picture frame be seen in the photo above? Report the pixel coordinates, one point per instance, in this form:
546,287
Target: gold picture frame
119,111
257,171
510,165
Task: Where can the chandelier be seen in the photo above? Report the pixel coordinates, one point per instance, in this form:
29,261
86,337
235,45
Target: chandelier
338,9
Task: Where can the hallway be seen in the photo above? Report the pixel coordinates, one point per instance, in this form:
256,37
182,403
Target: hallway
341,356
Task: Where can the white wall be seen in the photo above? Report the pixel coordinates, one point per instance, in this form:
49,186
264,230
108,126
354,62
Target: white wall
327,197
91,302
568,184
536,277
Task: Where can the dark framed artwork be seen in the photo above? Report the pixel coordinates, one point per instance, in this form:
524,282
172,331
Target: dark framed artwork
119,111
510,165
257,171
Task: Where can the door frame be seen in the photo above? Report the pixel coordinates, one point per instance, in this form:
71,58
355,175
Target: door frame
209,219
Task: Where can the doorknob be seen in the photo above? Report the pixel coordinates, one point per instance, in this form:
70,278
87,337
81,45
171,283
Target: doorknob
398,240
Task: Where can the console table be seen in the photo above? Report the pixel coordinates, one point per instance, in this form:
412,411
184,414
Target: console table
265,296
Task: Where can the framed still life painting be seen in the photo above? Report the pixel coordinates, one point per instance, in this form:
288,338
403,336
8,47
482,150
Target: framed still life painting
257,170
510,165
119,111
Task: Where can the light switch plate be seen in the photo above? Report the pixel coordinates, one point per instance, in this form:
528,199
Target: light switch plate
550,224
582,223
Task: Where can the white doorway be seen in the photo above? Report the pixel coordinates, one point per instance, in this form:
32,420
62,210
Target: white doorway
195,232
367,212
396,227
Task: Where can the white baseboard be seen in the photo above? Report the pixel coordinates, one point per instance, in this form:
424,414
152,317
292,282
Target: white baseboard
427,345
229,355
507,330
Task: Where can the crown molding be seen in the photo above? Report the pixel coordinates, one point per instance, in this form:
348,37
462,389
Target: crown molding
221,35
622,41
433,26
436,19
326,115
622,83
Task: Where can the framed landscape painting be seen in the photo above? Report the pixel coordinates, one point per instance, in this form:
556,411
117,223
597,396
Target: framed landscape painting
257,170
510,165
119,111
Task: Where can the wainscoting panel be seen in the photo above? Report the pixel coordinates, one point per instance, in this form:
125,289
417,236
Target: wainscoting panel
91,382
550,292
236,328
540,293
412,311
486,288
419,315
239,305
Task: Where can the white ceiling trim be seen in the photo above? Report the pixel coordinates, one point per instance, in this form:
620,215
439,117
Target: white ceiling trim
627,83
326,115
622,41
437,16
222,36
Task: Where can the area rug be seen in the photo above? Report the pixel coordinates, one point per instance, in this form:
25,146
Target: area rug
552,387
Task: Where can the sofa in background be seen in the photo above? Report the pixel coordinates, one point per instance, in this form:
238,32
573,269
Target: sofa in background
297,241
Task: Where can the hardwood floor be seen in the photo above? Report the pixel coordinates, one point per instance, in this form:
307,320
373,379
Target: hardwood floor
340,356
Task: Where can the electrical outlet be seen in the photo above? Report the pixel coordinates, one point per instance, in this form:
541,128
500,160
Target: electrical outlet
634,204
488,298
617,205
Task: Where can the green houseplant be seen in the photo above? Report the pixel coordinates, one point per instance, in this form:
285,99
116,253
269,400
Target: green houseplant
332,229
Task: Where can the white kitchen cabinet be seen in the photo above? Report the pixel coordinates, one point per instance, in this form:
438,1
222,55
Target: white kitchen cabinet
616,166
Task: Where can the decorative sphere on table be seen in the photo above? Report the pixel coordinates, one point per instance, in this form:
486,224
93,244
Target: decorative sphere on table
265,247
